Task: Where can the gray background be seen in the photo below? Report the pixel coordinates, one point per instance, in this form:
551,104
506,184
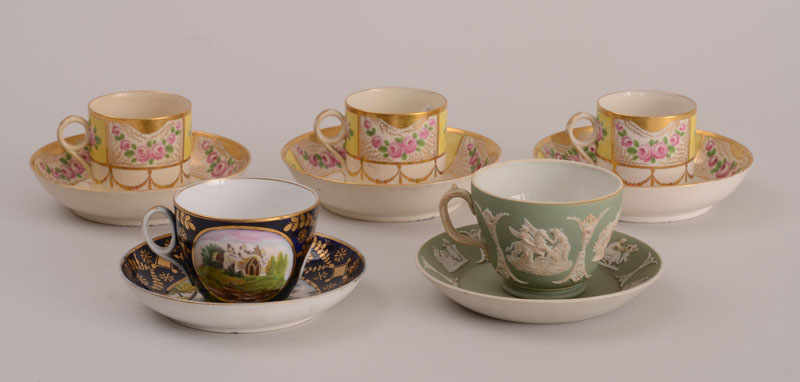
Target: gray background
725,309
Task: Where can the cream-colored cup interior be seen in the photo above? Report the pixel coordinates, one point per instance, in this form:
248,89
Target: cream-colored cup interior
547,181
395,100
140,105
645,103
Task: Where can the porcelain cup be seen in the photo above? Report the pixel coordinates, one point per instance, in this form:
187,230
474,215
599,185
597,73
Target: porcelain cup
135,140
544,224
239,239
389,135
648,138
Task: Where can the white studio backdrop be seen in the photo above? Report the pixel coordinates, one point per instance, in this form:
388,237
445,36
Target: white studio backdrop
259,72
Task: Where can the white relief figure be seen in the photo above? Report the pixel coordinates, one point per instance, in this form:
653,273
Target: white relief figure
603,238
538,251
475,233
491,222
449,257
636,283
450,280
618,254
587,227
624,278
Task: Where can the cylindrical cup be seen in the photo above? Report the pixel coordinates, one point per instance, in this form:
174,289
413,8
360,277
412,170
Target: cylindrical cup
389,136
135,140
544,223
240,239
646,137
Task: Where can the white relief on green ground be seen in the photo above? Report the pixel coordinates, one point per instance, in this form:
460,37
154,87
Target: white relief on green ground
449,257
475,233
617,253
603,238
491,222
587,227
450,280
539,251
624,278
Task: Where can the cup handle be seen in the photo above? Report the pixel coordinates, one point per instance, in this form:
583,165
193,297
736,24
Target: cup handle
163,252
75,149
578,144
329,142
458,237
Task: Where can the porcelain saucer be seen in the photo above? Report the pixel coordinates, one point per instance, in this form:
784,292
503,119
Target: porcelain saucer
629,267
65,180
720,167
310,164
332,270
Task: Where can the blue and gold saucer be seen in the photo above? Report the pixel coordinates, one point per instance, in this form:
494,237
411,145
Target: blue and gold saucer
331,271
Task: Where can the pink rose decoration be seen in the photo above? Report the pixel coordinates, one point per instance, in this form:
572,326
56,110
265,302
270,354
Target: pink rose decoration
69,174
724,169
574,157
219,170
142,153
593,149
327,159
158,151
212,157
376,141
620,126
478,166
712,161
682,126
299,150
178,124
709,145
423,134
115,130
171,138
473,160
367,124
125,144
91,137
431,122
77,167
342,153
644,152
626,141
409,145
42,166
674,139
660,150
470,146
85,156
313,160
395,150
557,156
205,145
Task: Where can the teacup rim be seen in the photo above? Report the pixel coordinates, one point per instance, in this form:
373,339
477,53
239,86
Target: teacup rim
687,114
620,183
255,220
164,117
437,110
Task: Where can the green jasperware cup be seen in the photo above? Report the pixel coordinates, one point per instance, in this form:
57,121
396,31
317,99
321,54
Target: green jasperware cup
544,224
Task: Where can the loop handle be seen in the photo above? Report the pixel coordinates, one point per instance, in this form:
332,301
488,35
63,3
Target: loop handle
75,149
458,237
581,144
164,252
329,142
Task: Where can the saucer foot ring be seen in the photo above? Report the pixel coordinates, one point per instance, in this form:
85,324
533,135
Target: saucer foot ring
119,222
543,294
665,218
245,330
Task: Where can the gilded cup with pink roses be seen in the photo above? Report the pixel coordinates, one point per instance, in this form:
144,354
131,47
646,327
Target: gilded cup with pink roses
648,138
136,140
389,136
